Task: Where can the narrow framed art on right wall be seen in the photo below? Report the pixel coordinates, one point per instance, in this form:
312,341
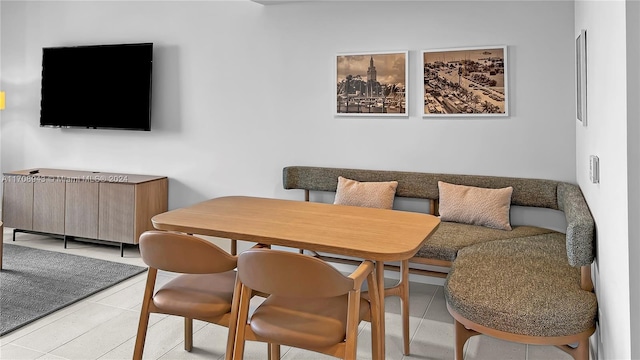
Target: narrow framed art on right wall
465,82
581,77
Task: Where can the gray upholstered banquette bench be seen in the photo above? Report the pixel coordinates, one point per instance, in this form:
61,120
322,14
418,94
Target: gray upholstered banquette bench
530,284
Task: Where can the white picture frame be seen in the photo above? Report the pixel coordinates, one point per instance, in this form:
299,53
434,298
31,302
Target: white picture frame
581,77
372,84
465,82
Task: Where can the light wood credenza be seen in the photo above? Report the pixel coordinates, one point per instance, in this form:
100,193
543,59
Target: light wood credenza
83,204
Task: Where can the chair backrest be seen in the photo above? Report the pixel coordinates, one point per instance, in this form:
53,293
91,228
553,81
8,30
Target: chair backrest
290,274
186,254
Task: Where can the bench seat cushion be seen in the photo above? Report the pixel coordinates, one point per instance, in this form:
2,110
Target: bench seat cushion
450,237
521,286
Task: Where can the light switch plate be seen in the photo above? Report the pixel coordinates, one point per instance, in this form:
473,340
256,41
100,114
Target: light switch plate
594,169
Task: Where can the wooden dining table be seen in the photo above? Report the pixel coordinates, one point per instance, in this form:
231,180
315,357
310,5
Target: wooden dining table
372,234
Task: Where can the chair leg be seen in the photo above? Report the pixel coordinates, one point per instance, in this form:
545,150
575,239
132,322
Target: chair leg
353,318
143,323
188,334
375,316
274,351
233,320
142,334
243,315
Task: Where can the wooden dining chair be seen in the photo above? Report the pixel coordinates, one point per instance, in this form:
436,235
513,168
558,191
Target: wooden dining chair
203,290
379,195
311,304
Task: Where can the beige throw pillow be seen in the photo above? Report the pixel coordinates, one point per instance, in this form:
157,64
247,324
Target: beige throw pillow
366,194
474,205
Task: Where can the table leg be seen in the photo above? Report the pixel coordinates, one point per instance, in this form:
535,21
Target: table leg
380,280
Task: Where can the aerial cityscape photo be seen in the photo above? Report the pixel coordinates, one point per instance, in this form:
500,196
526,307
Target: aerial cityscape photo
372,84
465,81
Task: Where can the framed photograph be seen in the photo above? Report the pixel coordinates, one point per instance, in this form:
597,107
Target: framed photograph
465,82
581,77
372,84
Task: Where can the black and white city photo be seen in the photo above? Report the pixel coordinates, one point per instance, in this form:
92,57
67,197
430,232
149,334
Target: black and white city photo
372,84
465,82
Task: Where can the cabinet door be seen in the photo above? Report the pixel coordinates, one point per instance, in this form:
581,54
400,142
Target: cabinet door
81,210
48,206
117,212
17,203
151,199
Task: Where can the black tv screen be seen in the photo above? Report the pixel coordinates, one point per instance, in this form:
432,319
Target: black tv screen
98,86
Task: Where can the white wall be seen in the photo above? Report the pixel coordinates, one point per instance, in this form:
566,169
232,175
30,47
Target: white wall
633,164
241,90
1,89
606,137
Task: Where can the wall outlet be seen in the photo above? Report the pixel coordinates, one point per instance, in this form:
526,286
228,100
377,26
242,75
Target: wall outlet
594,169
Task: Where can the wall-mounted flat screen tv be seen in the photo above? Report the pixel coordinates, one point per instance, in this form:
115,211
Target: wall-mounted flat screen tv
97,86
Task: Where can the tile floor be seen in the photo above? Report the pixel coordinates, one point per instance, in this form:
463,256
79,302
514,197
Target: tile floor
103,326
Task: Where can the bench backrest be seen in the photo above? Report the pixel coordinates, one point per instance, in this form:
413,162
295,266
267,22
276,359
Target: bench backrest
540,193
526,192
580,225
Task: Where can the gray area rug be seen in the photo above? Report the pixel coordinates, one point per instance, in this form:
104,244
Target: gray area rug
35,283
